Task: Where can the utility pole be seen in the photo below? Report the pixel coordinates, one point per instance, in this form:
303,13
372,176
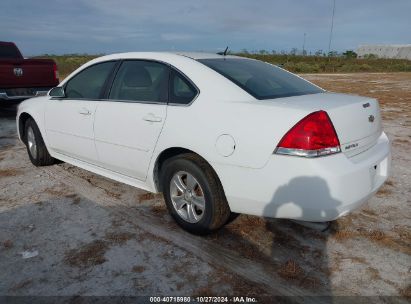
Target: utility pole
332,26
304,45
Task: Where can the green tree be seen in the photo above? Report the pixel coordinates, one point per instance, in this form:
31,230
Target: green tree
350,54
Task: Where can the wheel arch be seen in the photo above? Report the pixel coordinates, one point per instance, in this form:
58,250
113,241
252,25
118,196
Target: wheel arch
24,116
167,154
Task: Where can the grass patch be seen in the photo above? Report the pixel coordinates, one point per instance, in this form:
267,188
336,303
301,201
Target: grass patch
146,197
68,63
9,172
291,270
384,191
159,209
376,236
88,255
293,63
321,64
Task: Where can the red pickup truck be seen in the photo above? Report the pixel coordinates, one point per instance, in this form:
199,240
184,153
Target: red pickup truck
24,78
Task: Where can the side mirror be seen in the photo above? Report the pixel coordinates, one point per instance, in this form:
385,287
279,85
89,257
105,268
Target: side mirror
57,92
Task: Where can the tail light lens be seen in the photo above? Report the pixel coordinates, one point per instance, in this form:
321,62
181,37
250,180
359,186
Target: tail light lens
56,72
312,136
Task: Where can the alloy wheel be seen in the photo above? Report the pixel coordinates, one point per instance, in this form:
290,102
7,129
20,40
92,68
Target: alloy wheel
187,197
31,142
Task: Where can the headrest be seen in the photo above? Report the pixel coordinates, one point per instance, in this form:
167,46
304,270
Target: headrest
137,76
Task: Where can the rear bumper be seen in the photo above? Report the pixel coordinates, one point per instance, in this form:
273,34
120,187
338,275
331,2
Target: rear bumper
319,189
17,95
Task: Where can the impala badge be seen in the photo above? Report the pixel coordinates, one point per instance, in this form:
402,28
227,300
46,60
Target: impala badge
18,72
351,146
371,118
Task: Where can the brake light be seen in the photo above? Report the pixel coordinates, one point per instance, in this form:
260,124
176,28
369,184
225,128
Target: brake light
312,136
56,72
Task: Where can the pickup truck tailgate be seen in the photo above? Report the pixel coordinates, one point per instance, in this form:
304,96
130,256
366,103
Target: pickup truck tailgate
27,73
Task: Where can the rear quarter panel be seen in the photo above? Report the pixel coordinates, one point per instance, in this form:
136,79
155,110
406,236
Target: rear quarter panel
256,129
224,108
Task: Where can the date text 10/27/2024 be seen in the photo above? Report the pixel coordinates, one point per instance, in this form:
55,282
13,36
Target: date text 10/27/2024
203,300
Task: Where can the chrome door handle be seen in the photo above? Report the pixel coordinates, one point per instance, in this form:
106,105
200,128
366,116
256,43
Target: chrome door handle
84,111
152,118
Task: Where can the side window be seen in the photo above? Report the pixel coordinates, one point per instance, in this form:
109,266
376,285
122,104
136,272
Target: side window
181,90
140,80
89,82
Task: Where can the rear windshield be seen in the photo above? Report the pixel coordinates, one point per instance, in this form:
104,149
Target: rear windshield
9,51
260,79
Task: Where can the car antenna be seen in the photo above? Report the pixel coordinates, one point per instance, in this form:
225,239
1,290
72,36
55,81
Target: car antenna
223,53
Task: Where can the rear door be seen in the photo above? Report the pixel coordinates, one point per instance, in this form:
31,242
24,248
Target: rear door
69,121
128,124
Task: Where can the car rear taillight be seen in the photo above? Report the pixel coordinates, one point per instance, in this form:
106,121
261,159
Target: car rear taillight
56,72
312,136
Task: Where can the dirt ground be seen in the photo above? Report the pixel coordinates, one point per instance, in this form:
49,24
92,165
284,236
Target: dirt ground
94,236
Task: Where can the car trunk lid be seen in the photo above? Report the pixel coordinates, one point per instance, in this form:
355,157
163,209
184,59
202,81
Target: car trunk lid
356,119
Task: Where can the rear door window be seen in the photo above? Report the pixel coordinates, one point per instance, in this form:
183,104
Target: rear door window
140,80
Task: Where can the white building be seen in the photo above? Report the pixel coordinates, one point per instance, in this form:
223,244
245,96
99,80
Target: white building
395,51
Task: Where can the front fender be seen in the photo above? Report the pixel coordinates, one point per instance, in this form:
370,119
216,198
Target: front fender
34,108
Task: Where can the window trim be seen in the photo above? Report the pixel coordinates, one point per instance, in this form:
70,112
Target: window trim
108,84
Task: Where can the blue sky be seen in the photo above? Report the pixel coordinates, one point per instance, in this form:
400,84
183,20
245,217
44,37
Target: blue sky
107,26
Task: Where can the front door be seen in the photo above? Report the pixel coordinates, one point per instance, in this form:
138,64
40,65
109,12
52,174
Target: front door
69,121
128,124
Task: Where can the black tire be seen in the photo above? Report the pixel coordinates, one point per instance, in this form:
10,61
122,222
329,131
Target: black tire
41,156
216,212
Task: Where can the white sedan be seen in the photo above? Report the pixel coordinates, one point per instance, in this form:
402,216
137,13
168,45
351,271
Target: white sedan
216,134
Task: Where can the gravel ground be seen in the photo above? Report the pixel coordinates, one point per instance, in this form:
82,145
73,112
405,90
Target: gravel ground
89,235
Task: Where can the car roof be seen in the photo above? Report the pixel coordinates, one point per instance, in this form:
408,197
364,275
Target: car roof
203,55
163,55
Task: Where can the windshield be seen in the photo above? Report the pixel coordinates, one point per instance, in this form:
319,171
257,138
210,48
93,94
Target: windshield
260,79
